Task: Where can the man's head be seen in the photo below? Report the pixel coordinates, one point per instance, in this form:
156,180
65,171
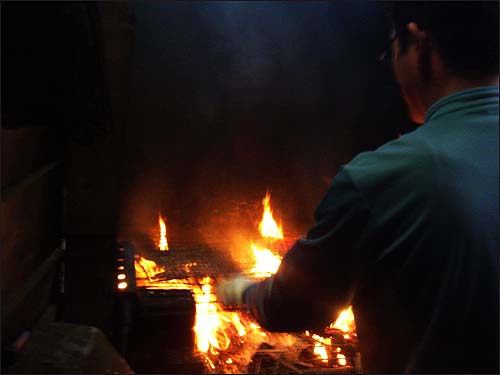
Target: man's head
441,47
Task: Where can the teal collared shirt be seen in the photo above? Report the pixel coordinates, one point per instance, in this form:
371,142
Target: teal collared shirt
407,234
481,99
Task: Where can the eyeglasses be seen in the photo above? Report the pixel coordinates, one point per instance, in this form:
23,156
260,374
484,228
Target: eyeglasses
385,56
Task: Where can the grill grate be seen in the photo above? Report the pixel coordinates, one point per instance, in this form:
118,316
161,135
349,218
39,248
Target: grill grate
189,264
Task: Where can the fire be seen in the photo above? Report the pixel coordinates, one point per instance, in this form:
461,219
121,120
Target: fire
345,321
320,346
207,321
320,351
146,269
223,337
342,361
163,244
266,263
322,340
218,331
268,227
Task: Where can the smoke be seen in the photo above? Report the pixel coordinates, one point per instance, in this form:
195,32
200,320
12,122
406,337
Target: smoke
233,98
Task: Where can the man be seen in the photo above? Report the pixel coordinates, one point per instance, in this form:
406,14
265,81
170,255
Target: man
408,234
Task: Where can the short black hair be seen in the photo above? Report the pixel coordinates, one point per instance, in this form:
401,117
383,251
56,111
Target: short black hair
465,32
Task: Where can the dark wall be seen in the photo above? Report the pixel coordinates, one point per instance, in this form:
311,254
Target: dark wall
54,105
232,98
195,109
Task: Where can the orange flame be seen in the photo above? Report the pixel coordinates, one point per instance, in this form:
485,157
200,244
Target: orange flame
266,263
320,346
215,328
268,226
320,351
207,320
322,340
213,325
163,244
146,269
341,359
219,332
345,322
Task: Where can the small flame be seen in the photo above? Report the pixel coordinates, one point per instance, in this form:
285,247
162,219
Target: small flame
266,263
207,320
213,324
146,269
320,351
268,226
319,346
322,340
239,326
163,244
341,359
345,321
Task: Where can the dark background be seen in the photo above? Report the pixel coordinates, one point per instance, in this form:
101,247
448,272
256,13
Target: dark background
113,112
210,103
229,99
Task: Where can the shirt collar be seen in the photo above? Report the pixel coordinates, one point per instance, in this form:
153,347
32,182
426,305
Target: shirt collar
463,100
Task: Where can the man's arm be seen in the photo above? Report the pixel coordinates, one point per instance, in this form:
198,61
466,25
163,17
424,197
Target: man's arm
318,276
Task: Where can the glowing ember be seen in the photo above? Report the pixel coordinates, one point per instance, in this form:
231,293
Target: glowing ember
163,244
345,321
268,228
266,263
342,361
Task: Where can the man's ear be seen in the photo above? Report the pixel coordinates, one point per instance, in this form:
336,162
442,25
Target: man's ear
416,32
423,45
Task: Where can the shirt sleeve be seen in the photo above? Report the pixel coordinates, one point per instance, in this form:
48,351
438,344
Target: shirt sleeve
318,275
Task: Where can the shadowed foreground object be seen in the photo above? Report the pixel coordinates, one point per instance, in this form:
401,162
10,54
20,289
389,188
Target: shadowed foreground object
63,348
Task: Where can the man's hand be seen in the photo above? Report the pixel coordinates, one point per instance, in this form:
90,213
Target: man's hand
230,292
